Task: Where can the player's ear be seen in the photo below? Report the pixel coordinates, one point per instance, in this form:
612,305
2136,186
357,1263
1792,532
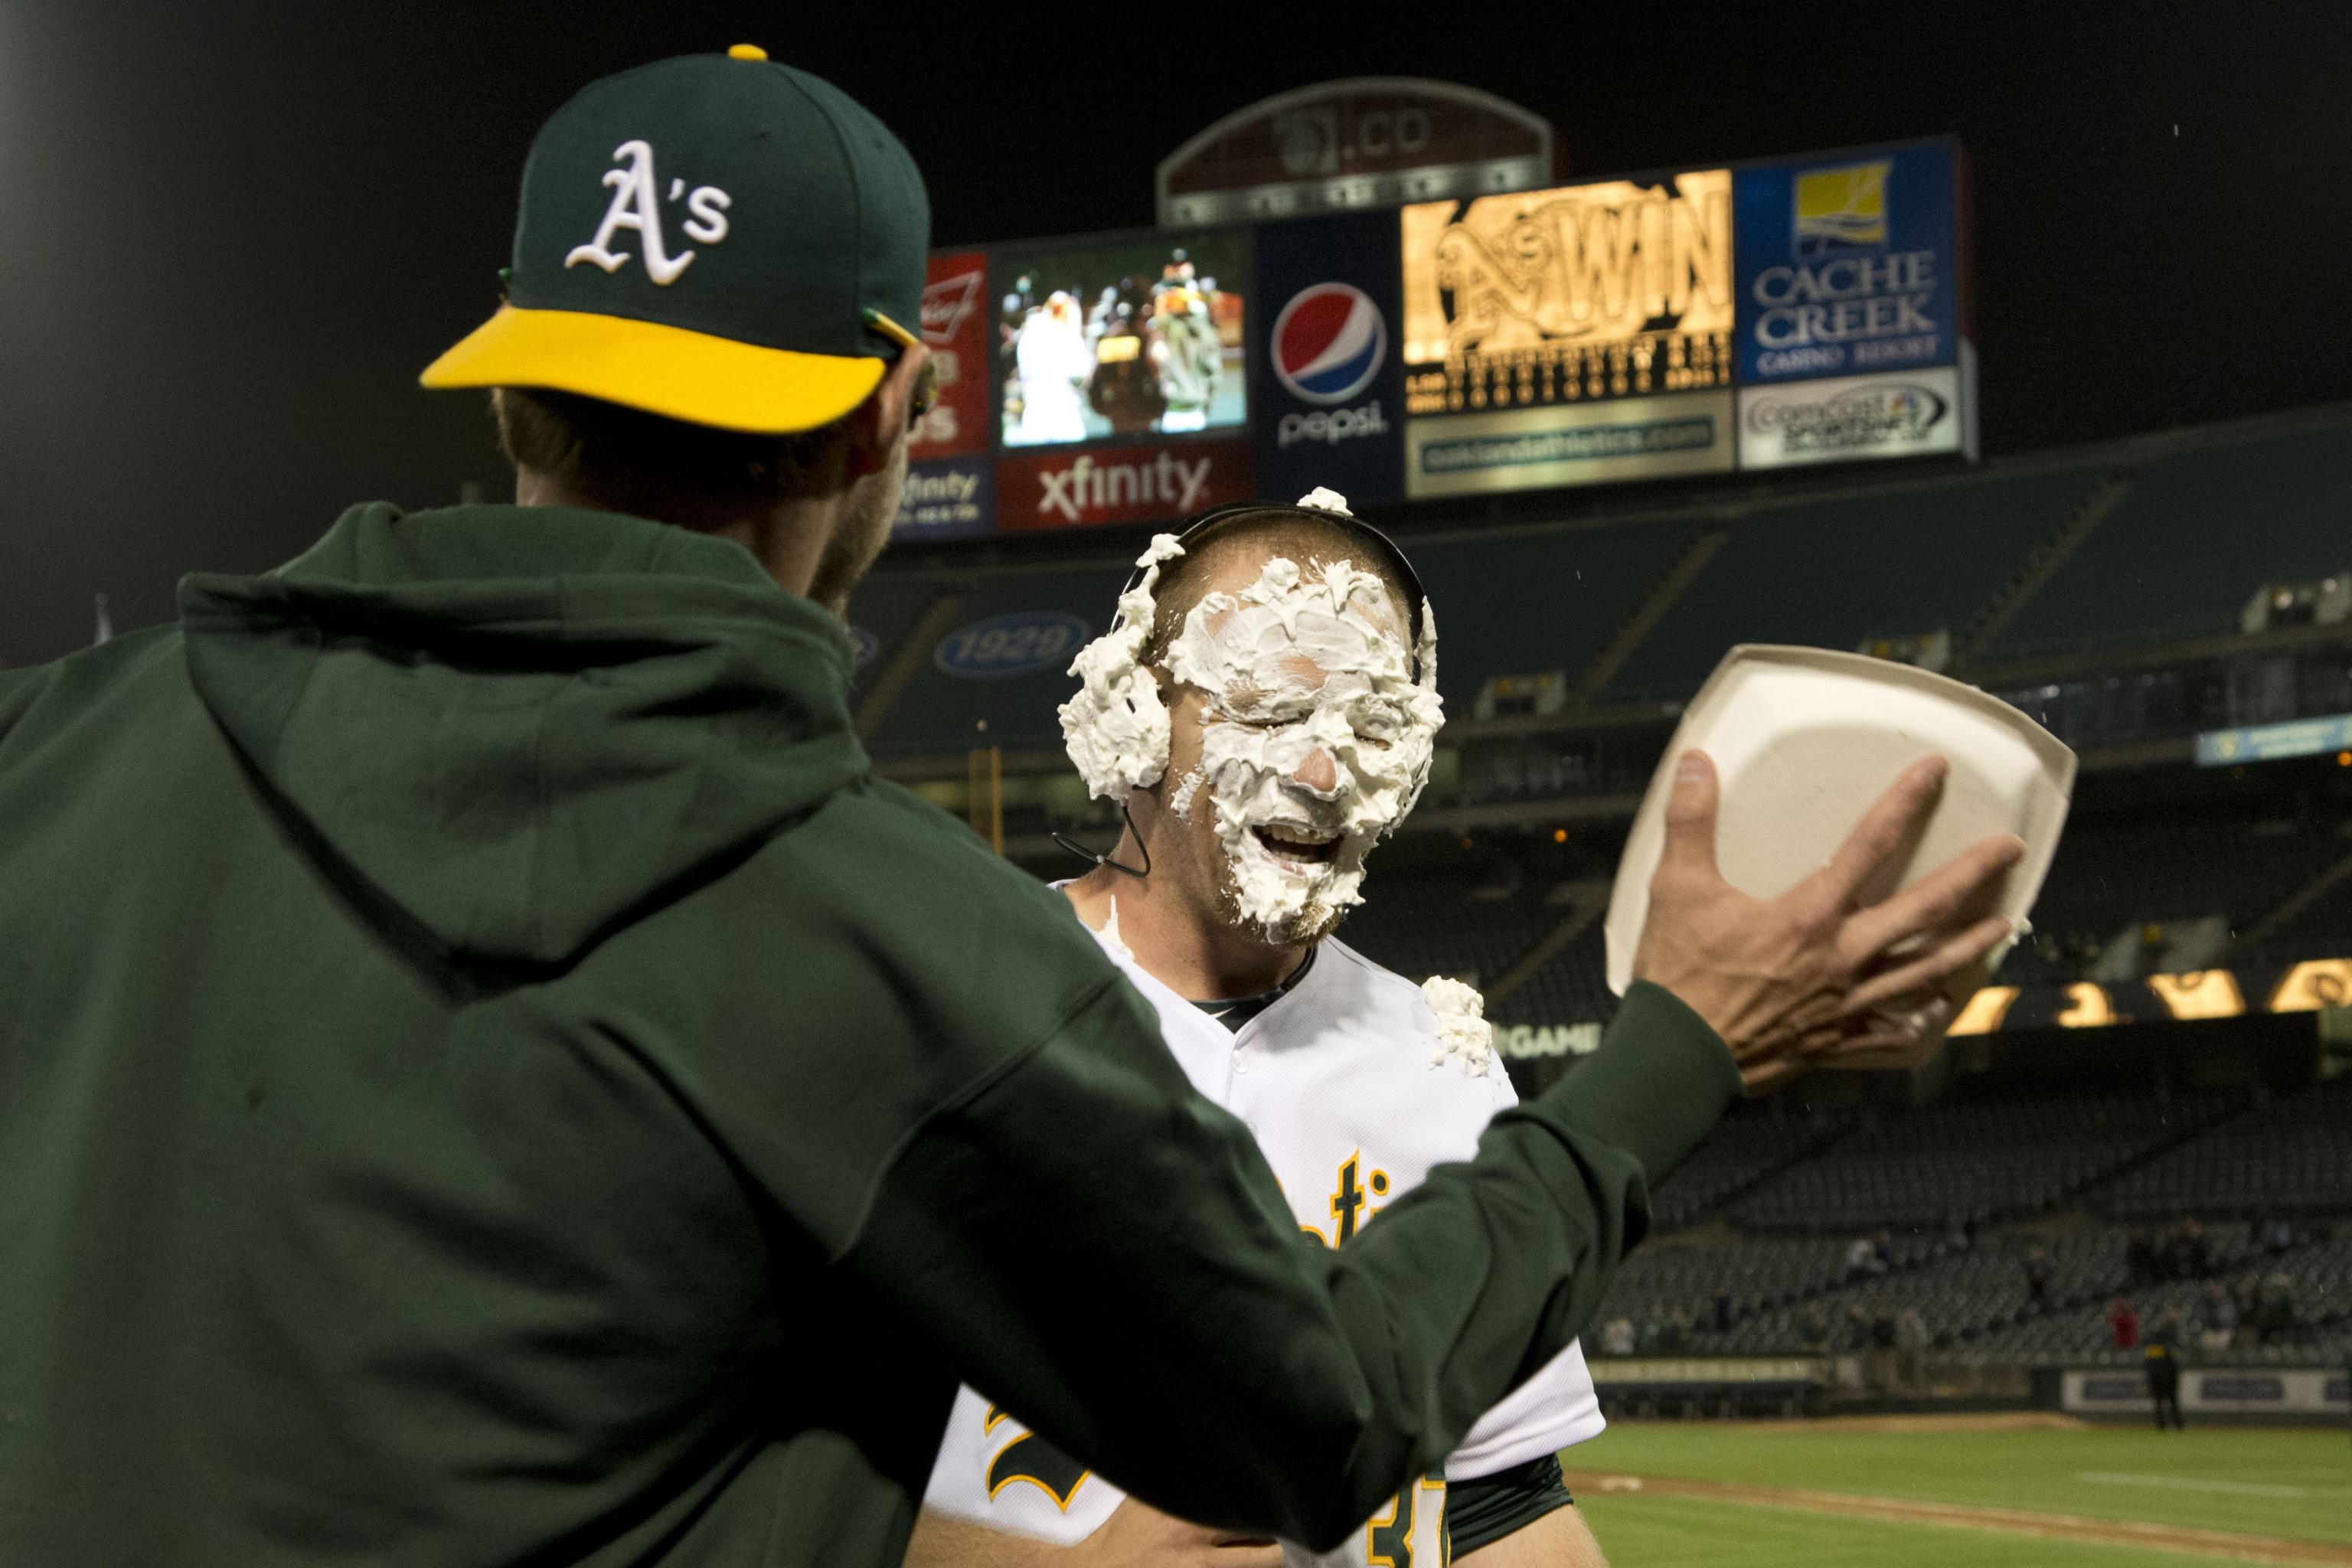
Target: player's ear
880,424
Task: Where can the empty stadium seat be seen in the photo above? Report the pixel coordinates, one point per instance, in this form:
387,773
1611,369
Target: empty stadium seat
1422,922
2295,1154
2114,873
1831,574
1994,1158
2194,536
1521,602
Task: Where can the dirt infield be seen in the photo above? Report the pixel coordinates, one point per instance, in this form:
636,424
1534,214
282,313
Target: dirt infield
1963,1516
1980,1421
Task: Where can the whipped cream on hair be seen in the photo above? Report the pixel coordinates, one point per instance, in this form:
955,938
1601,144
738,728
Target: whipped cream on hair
1116,728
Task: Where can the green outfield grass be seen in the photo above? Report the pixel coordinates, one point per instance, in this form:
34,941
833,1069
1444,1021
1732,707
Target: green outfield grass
1686,1532
2295,1484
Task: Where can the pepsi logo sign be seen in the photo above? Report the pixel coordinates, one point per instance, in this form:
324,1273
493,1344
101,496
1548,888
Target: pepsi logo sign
1012,644
1329,343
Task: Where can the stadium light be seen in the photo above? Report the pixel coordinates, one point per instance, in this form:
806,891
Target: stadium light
2092,1008
2209,994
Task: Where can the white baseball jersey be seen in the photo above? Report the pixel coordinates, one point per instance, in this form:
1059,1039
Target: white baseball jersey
1343,1084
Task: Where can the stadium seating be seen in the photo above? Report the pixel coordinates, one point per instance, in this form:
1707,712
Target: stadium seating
1790,1296
1571,987
2323,929
2319,1278
2152,570
1759,1275
1901,563
1425,921
1751,1144
1994,1160
885,608
1954,1294
944,712
1524,602
2295,1154
2100,1154
2113,873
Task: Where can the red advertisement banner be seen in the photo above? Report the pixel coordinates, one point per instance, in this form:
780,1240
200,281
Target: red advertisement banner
955,325
1068,489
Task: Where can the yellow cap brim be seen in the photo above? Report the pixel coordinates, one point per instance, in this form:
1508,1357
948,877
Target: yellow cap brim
680,374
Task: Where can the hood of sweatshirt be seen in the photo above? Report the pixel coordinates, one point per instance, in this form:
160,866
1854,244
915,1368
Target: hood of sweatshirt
521,725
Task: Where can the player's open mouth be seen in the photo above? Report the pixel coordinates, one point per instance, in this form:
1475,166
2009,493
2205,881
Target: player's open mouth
1299,844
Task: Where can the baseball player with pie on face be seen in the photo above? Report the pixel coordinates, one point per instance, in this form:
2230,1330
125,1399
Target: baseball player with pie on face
488,1075
1297,733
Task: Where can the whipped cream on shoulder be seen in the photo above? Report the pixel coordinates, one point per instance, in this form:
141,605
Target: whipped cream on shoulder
1463,1034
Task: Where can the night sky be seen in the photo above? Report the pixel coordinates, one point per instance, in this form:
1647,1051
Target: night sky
230,236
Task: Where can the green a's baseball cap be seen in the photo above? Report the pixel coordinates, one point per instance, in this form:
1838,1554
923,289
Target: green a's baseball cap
717,238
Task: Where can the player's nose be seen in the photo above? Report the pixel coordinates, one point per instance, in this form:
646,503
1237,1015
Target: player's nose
1317,773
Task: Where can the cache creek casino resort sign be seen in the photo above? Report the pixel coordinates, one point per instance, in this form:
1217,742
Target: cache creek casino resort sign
1792,311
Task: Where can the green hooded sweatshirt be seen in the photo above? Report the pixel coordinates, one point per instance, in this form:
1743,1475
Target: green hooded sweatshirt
489,1076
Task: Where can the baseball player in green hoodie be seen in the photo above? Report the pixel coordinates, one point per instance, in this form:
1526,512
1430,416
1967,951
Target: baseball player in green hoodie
488,1075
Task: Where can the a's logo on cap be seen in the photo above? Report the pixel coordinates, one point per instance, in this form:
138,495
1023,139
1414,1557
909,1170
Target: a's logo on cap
634,206
1329,343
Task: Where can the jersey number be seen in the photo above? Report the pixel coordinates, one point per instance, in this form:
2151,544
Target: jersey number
1029,1457
1390,1540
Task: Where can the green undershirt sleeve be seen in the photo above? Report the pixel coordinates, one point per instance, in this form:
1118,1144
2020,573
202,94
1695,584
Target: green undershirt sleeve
1482,1511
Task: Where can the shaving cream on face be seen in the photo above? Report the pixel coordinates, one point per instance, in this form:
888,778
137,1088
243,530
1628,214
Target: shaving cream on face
1317,727
1116,727
1180,800
1463,1032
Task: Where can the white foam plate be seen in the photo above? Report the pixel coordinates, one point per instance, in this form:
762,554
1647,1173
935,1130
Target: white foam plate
1804,740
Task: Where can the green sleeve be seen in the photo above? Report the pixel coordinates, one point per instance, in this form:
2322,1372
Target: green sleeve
1106,1252
1480,1512
18,687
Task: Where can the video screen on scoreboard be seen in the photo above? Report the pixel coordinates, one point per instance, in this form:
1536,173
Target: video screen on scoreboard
1139,337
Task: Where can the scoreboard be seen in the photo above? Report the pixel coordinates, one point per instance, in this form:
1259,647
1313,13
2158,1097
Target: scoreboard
1743,317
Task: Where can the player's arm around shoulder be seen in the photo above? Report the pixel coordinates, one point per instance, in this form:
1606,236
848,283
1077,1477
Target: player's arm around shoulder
1136,1536
1001,1496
